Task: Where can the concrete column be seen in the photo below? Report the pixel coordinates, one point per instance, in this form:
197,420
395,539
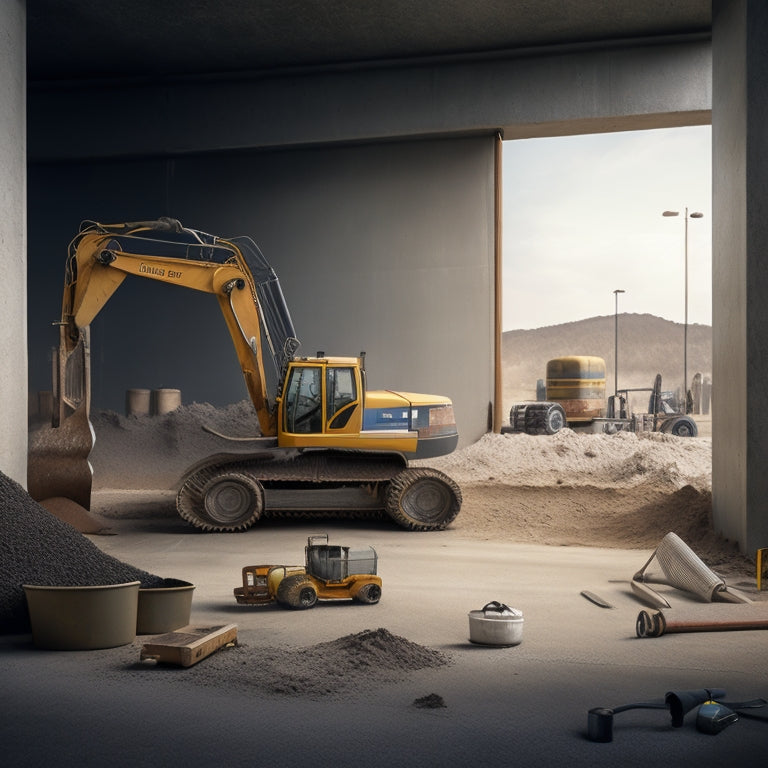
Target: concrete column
13,241
740,277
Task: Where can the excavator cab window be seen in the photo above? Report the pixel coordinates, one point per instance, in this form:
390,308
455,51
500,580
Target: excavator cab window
304,404
341,396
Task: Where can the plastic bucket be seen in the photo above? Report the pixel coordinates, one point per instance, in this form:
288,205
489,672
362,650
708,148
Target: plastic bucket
164,609
496,624
82,618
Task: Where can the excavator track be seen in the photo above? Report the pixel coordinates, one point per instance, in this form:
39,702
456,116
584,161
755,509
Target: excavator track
230,492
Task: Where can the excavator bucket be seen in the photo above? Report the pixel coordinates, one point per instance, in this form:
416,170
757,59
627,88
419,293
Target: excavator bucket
58,463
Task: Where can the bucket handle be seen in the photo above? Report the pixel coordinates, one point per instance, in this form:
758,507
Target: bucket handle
495,605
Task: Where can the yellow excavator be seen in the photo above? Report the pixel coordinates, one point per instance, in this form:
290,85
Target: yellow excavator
327,445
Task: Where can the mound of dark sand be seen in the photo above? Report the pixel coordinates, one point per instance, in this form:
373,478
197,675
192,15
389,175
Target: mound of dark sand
350,661
36,547
360,661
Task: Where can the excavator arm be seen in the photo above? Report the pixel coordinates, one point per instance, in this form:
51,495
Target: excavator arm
233,270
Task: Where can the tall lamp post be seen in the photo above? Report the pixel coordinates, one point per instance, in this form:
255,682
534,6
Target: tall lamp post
616,343
692,215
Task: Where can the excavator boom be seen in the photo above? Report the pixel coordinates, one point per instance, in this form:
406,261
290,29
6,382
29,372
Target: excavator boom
234,271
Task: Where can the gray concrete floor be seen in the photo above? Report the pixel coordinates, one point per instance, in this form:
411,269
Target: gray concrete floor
524,705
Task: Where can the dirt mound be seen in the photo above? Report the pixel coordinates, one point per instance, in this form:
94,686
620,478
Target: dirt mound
365,658
360,661
71,512
623,460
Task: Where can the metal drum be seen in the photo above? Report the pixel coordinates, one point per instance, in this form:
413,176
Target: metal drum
496,624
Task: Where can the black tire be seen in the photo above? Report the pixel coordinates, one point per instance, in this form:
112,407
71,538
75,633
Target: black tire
297,592
537,418
370,594
681,426
232,501
422,499
554,419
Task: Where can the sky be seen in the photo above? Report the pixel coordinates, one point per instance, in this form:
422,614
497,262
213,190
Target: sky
582,217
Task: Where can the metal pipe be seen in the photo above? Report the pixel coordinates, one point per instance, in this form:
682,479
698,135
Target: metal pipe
616,344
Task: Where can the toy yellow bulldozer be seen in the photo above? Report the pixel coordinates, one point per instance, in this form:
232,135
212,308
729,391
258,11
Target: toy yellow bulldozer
330,572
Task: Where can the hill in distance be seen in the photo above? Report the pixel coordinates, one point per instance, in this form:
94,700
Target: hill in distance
647,345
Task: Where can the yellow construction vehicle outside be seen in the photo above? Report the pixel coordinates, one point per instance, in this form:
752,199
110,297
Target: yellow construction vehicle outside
575,397
321,430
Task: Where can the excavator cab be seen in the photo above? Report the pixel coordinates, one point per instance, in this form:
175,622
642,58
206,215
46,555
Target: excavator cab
322,396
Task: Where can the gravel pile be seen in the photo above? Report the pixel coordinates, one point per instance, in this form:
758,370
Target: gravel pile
354,663
38,548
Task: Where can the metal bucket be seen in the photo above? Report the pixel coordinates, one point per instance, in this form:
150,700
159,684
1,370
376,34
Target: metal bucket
496,624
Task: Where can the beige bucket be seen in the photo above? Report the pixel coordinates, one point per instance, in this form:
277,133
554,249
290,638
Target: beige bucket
165,400
82,618
137,402
164,609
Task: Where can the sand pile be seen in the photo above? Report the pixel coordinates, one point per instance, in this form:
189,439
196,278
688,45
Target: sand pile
623,460
38,548
152,452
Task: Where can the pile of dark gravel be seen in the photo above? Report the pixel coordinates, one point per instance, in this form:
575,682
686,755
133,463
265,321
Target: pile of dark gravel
356,663
38,548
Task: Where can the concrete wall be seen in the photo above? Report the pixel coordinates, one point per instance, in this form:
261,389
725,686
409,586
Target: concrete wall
740,278
13,247
387,248
555,93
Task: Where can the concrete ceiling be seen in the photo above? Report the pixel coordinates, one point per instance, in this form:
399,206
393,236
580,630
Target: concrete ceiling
86,39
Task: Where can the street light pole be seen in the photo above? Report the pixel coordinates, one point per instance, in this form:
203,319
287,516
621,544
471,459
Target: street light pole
693,215
616,344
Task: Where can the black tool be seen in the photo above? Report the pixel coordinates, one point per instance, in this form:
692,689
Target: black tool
713,717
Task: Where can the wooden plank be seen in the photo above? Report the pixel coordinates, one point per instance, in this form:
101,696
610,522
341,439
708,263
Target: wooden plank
188,645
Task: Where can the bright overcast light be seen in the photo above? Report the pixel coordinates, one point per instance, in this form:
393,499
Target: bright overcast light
583,217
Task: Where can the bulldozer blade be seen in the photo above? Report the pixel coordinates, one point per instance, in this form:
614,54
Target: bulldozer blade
58,463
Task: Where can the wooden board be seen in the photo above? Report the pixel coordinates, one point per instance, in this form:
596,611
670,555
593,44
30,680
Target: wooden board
188,645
